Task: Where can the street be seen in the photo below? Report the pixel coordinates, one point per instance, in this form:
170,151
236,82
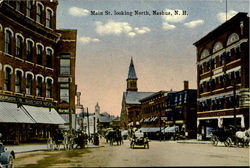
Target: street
167,153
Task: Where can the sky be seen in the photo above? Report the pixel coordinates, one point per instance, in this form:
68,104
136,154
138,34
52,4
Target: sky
161,45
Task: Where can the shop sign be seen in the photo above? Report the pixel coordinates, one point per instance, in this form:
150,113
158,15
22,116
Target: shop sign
212,114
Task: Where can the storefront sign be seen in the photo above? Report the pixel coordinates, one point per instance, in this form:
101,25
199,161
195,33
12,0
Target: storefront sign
212,114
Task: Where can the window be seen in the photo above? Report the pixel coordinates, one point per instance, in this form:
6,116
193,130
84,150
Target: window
204,53
49,58
39,55
201,69
7,81
18,84
232,38
8,42
65,66
39,13
213,63
202,87
228,80
229,101
222,59
237,51
19,5
208,66
222,81
29,50
208,86
49,18
39,81
29,8
49,88
228,56
213,84
238,76
19,47
218,46
29,84
64,95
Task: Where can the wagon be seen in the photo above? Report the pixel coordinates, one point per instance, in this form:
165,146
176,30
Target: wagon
138,139
227,136
59,139
6,157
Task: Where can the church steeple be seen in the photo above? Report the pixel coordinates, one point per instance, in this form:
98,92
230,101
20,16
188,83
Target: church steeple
132,79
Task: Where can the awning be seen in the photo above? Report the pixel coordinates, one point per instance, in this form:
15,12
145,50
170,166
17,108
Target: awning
149,129
9,113
170,129
44,115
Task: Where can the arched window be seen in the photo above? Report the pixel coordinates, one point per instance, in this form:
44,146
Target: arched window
18,81
49,14
19,46
232,38
39,86
29,8
7,78
8,41
39,13
49,53
29,49
204,53
49,88
29,79
39,55
218,46
19,5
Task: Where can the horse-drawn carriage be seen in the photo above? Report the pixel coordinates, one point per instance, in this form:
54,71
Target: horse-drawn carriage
139,139
114,136
67,140
230,136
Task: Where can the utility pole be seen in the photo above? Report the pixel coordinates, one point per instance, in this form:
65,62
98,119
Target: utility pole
70,112
88,120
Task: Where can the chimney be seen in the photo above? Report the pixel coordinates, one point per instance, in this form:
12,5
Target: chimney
185,85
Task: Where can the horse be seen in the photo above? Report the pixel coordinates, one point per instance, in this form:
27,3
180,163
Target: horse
243,137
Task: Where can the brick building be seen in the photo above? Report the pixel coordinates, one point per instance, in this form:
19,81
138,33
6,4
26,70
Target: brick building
223,76
37,70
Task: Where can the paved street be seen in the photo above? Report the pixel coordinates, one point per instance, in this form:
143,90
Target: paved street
167,153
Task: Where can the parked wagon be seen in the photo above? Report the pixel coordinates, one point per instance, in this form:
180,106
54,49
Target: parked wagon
63,139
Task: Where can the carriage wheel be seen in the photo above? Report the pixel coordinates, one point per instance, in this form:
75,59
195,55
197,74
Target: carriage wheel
214,140
228,142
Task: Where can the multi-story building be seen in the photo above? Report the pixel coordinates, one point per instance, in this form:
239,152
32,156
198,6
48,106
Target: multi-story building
37,65
181,110
223,76
131,105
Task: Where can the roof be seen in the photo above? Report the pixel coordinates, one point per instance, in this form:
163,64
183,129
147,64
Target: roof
132,97
131,71
104,119
161,92
220,28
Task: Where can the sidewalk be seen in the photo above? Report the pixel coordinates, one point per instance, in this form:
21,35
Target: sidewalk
35,147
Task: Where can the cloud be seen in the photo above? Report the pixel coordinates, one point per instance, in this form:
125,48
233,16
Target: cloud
86,40
75,11
172,17
131,34
112,27
167,26
142,30
194,23
222,15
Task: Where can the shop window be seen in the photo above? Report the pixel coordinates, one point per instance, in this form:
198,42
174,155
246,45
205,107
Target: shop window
49,58
18,84
29,50
39,13
49,18
8,42
29,8
19,47
39,82
39,55
7,81
29,84
49,88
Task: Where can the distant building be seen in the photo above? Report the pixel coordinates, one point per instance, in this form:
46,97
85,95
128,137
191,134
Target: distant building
131,106
37,70
223,76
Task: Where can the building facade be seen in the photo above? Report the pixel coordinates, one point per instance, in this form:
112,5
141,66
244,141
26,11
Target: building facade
223,76
131,106
35,60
